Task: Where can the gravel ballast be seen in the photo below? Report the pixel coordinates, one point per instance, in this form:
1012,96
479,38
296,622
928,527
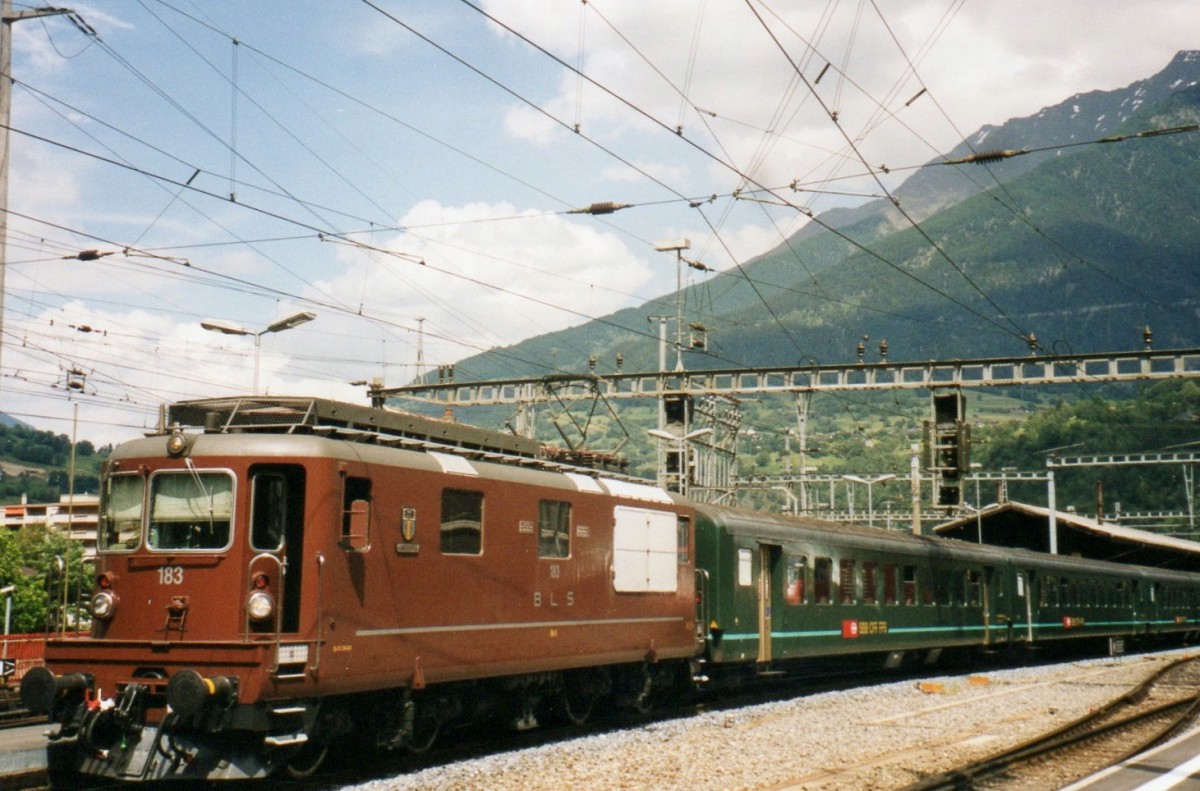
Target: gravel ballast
878,737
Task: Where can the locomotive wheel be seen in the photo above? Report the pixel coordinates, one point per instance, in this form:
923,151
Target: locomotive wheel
307,760
425,728
580,692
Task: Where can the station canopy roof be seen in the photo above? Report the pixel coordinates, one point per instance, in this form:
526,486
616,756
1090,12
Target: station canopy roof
1027,527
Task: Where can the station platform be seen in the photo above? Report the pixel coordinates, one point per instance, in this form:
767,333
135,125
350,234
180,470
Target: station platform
22,755
1174,765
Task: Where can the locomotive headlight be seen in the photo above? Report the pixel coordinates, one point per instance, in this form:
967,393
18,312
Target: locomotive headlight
103,605
260,605
176,443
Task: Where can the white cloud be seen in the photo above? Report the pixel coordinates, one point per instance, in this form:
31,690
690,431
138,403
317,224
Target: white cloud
492,275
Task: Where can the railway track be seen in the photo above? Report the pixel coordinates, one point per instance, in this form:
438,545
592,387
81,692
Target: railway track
1147,715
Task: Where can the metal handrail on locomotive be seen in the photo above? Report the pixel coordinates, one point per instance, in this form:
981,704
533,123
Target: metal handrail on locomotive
276,574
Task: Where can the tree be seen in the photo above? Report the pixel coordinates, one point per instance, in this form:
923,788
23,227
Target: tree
33,560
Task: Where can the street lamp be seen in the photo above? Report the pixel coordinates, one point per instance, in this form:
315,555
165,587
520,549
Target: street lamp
681,441
229,328
869,482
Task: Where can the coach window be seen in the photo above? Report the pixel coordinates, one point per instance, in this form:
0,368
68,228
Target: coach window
796,571
868,579
890,581
745,568
554,529
191,510
974,599
823,580
121,517
846,582
910,584
942,592
462,522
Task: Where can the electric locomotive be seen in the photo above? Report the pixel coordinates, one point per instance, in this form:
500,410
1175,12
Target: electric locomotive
299,570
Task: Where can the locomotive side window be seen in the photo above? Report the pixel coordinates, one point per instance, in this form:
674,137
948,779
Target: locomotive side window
823,580
121,517
462,522
796,571
190,509
356,513
554,529
683,530
847,581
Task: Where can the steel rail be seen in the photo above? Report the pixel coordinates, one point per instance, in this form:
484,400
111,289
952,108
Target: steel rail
1084,729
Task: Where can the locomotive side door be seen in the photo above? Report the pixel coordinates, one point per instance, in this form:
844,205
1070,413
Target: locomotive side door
277,534
768,557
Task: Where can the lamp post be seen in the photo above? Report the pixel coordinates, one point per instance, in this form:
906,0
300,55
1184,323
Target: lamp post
229,328
681,442
869,482
7,590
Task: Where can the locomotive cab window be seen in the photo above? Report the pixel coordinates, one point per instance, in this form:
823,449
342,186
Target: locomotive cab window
191,510
121,516
462,522
554,529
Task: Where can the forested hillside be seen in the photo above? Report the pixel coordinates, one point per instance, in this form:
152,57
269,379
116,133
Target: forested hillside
37,464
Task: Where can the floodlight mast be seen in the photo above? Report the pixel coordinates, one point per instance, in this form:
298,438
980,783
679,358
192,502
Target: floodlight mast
286,323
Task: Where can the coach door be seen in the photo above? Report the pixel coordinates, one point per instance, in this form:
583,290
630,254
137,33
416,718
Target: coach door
768,558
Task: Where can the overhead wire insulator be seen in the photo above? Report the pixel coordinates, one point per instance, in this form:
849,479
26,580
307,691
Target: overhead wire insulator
606,207
984,157
86,255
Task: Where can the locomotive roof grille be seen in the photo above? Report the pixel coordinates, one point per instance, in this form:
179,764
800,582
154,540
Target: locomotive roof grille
379,425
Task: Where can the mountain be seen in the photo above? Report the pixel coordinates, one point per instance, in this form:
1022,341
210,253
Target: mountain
1081,246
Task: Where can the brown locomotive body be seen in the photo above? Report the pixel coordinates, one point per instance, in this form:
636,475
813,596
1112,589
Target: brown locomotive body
298,572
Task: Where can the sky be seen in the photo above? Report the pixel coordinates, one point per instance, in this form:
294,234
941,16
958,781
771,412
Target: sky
412,173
